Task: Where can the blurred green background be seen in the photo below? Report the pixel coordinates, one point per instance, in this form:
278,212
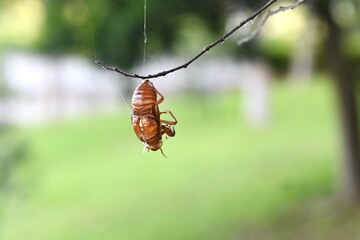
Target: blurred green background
267,144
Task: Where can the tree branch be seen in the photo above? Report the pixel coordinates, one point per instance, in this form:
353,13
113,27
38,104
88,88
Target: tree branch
262,23
205,50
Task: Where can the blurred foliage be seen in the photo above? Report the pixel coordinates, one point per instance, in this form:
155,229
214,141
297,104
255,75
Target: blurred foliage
12,152
12,148
281,34
345,14
20,22
114,28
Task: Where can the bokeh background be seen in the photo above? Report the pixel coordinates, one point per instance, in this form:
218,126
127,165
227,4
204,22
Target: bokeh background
267,140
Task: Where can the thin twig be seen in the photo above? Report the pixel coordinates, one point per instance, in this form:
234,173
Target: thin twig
262,23
205,50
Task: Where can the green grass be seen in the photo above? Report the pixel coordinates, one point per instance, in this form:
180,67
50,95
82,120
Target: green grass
88,179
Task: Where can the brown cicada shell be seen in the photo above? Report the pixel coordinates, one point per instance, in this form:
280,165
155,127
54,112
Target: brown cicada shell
146,121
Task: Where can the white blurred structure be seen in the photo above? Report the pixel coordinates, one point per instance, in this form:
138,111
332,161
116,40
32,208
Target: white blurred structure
256,93
45,89
302,60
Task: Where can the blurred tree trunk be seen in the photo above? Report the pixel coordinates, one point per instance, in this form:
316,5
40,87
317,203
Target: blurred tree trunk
343,72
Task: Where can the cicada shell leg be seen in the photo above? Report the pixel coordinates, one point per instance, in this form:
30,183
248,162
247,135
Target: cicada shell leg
161,99
168,130
162,152
174,122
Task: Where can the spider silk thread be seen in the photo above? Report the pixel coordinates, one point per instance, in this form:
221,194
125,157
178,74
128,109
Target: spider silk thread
144,33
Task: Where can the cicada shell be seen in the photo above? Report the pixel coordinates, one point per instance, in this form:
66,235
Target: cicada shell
146,116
